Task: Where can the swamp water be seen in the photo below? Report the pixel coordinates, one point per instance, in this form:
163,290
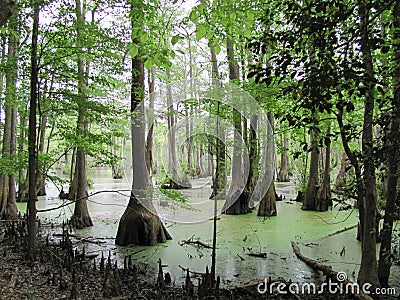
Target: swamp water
236,236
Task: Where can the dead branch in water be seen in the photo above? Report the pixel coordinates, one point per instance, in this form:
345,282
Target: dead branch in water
340,231
328,271
197,243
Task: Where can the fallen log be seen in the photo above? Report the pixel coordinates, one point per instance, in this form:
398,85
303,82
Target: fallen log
328,271
341,231
258,254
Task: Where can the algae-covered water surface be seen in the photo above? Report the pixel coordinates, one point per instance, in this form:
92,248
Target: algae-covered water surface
236,236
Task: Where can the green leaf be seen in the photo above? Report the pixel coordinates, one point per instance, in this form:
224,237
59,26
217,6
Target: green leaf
217,49
175,39
149,63
134,50
194,16
201,31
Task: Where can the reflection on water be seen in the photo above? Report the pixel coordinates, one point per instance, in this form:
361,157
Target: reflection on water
237,235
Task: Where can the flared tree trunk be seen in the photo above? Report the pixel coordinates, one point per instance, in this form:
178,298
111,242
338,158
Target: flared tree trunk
393,153
81,217
324,191
139,224
310,195
7,180
267,207
237,199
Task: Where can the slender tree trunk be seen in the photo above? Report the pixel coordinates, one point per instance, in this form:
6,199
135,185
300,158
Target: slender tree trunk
22,195
189,111
32,169
81,217
220,176
41,188
172,160
393,153
310,196
3,40
178,181
324,192
139,225
368,270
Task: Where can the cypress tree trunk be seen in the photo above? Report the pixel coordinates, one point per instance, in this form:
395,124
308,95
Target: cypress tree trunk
343,173
139,225
7,180
368,269
150,119
81,217
310,195
237,200
393,153
6,10
32,168
177,181
41,188
267,207
283,175
324,192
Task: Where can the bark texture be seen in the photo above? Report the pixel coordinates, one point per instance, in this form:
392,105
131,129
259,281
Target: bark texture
368,270
81,217
310,195
283,175
139,225
267,207
6,10
8,207
393,162
323,200
32,168
237,198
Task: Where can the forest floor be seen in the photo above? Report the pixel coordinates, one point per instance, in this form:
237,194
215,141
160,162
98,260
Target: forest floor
61,273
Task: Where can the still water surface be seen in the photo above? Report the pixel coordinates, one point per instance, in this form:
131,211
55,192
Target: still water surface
237,235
